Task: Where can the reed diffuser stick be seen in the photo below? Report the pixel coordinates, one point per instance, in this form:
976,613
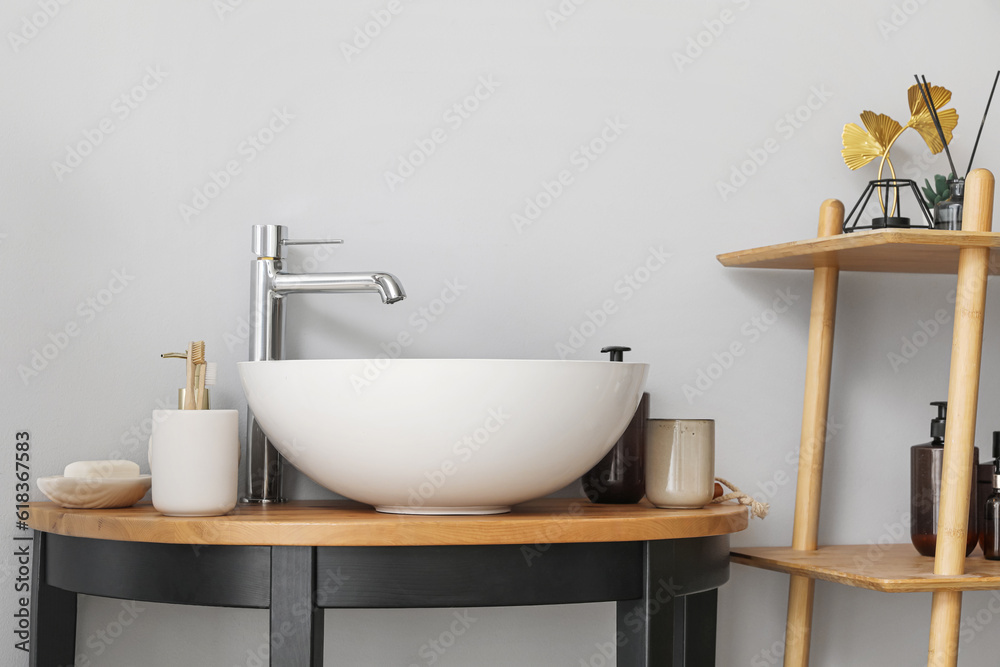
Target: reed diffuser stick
981,124
937,123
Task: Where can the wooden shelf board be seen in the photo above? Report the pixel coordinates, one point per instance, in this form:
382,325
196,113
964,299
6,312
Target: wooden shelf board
345,523
883,250
890,568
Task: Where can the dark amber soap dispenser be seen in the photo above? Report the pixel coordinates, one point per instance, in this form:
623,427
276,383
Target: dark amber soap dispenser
620,476
991,525
926,466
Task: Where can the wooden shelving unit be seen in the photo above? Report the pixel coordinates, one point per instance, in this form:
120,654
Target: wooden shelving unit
973,254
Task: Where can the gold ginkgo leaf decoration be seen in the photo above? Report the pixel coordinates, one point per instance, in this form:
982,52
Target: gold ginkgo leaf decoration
861,146
881,127
920,116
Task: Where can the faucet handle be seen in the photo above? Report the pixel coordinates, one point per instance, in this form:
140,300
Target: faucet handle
310,241
268,241
288,242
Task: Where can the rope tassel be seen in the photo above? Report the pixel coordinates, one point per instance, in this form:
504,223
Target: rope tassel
757,508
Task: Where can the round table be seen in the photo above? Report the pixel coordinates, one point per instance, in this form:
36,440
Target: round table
661,567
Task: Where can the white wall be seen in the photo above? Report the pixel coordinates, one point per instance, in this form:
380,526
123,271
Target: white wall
682,127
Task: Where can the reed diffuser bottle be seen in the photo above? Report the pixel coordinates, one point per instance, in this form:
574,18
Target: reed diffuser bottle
926,468
948,213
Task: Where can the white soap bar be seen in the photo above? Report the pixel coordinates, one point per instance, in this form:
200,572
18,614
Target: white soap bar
102,469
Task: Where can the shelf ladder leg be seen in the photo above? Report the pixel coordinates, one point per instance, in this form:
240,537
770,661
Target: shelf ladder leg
960,434
811,447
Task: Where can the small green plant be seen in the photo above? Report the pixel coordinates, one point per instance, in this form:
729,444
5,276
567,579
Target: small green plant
938,193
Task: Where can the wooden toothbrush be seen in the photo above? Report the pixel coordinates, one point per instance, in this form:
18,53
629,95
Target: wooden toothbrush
189,385
206,378
196,357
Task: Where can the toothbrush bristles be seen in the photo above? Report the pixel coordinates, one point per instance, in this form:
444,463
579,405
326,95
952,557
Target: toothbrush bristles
198,352
211,372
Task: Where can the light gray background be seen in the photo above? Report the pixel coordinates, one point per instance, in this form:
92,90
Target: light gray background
684,127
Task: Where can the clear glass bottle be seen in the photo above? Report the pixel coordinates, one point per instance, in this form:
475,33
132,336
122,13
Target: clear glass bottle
948,213
926,468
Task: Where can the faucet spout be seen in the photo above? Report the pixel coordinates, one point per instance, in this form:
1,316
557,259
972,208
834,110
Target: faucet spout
389,288
387,285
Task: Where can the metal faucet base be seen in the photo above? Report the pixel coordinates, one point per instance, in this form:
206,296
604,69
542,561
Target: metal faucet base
260,501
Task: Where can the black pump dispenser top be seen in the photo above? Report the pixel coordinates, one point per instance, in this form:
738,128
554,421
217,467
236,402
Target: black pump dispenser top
616,352
938,424
996,459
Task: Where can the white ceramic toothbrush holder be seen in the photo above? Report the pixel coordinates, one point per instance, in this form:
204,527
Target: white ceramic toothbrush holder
194,461
680,462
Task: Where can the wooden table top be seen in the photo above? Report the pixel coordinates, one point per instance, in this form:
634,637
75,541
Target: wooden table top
345,523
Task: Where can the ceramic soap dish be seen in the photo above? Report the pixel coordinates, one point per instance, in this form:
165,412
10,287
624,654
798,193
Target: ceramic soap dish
96,485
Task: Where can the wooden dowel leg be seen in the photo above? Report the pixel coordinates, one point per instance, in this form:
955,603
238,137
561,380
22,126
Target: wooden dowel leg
960,434
799,624
813,440
946,612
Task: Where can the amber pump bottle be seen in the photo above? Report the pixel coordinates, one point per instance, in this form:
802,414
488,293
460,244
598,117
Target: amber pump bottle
926,467
991,527
620,475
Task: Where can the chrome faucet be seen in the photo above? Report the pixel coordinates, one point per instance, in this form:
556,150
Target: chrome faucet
269,284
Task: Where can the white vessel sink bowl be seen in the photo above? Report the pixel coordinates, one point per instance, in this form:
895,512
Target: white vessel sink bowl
443,436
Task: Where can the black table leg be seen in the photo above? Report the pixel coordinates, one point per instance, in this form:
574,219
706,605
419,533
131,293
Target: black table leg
296,622
673,624
695,626
53,616
646,629
681,632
